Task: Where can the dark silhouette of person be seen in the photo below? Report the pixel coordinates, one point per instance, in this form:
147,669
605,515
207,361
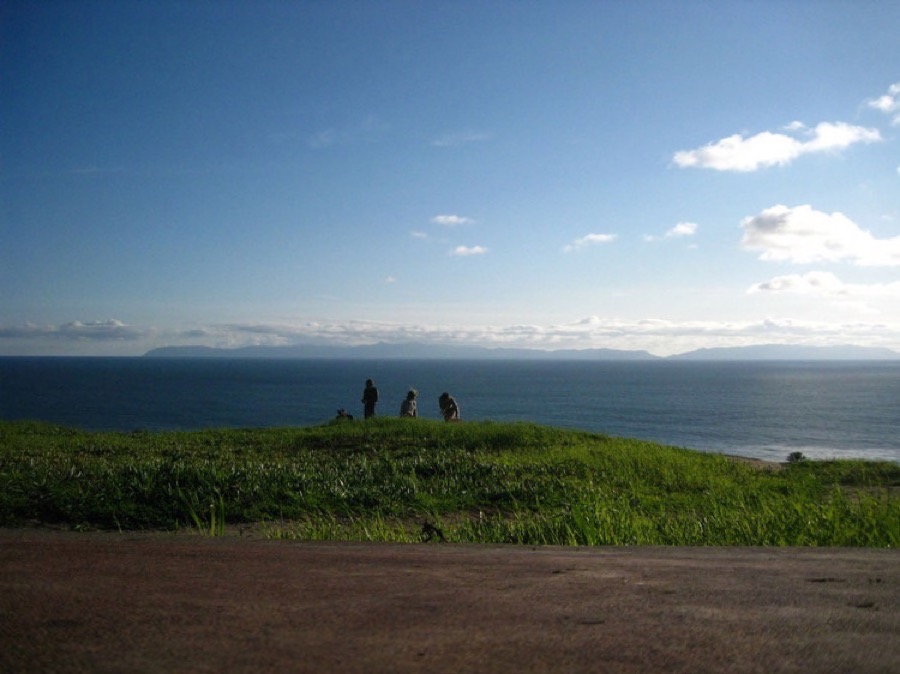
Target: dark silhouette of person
408,406
369,398
449,408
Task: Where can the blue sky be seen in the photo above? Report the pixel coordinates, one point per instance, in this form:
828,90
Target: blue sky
635,175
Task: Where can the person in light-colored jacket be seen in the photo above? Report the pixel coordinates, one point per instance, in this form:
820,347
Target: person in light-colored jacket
408,406
449,408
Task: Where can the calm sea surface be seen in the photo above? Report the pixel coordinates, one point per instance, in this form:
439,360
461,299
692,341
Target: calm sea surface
763,410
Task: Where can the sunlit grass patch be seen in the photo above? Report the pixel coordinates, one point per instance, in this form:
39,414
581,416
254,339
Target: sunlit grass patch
385,479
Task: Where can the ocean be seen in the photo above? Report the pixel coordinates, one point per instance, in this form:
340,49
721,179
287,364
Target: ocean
760,410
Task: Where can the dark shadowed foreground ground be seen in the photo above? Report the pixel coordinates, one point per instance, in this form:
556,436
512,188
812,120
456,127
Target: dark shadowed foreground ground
183,603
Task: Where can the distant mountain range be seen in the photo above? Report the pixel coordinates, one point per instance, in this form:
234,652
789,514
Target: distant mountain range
429,351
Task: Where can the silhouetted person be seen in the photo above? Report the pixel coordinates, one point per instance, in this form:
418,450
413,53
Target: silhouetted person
449,408
408,406
369,398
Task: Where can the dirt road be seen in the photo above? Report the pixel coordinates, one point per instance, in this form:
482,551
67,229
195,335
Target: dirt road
183,603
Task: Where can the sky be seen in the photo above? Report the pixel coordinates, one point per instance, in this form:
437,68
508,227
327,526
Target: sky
661,176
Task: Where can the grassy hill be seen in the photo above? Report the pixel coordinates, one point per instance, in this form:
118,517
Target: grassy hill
410,480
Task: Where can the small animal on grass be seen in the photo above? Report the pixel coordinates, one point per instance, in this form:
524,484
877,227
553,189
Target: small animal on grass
430,532
344,415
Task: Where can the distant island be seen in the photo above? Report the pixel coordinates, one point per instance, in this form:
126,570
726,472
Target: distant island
790,352
429,351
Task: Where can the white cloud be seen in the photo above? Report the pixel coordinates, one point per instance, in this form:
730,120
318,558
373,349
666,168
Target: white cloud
827,137
680,230
462,138
804,235
656,335
418,235
737,153
111,330
826,284
811,283
451,220
659,336
589,240
390,279
465,251
889,103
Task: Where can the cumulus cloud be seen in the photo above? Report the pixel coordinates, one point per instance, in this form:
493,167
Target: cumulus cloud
451,220
589,240
811,283
827,137
889,103
465,251
737,153
804,235
680,230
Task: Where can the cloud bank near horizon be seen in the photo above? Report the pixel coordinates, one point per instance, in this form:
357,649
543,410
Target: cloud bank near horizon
658,336
76,331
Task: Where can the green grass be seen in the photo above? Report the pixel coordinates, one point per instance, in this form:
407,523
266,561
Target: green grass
383,479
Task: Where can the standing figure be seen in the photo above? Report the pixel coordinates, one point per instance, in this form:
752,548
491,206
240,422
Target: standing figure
408,406
449,408
369,398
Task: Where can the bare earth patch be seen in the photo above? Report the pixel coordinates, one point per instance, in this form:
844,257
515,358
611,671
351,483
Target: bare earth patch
105,602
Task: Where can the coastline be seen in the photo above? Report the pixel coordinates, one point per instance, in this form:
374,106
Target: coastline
750,409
